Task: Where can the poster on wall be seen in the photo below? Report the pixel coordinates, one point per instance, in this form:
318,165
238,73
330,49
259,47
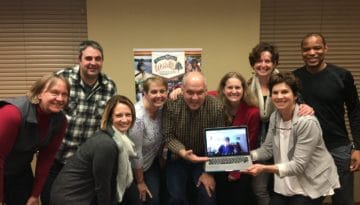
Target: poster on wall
170,64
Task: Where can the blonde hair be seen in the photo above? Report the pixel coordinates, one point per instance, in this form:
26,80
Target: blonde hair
45,82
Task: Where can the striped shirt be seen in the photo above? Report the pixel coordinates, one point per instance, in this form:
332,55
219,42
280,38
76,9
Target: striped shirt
84,110
146,136
183,128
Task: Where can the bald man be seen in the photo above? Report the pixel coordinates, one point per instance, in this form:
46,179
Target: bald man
183,124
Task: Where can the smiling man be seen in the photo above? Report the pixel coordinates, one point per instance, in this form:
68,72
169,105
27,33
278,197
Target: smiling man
183,126
90,89
327,88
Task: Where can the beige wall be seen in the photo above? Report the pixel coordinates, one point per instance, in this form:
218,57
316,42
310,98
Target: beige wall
225,30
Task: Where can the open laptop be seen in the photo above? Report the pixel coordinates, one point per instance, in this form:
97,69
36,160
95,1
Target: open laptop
227,148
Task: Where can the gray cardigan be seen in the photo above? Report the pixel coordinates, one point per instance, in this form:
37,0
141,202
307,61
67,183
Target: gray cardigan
90,174
309,159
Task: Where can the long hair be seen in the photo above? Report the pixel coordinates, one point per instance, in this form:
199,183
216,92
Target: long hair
109,109
248,97
45,82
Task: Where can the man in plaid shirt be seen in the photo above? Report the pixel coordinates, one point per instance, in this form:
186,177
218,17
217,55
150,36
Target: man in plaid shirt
89,91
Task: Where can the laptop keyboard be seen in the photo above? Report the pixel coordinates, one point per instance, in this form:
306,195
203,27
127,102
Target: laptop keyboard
228,160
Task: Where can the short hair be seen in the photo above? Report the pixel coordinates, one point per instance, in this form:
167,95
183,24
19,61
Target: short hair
255,54
109,109
90,43
310,35
288,78
154,79
45,82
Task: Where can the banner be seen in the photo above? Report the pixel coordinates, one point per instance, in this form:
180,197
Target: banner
170,64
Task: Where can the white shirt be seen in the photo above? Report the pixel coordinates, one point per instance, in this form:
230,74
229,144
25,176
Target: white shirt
288,185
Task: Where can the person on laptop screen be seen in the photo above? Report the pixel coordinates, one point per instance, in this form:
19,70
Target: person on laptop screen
183,124
226,148
304,170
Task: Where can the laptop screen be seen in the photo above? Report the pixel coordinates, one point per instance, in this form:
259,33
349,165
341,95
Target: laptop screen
227,141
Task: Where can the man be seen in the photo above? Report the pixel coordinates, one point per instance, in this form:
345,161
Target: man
89,91
226,148
327,88
183,126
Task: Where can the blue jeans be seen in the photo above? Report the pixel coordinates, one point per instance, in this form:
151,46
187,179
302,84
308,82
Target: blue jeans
181,180
345,194
18,187
278,199
152,180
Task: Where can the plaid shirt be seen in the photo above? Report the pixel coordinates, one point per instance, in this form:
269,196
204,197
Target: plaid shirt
84,110
184,128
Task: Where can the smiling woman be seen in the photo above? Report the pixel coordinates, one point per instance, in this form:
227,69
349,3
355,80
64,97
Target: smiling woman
29,125
85,178
298,149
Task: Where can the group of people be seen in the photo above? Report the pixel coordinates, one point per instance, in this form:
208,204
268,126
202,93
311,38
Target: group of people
94,146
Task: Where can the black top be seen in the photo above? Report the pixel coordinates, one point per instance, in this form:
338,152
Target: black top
327,92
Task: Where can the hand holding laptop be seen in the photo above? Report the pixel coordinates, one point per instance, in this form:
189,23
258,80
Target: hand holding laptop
257,169
190,156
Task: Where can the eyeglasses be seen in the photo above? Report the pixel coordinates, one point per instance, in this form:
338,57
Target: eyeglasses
90,58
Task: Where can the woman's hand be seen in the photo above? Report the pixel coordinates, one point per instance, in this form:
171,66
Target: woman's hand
305,110
143,191
33,201
175,93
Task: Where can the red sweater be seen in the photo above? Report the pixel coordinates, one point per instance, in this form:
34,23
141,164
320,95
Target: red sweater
10,120
250,116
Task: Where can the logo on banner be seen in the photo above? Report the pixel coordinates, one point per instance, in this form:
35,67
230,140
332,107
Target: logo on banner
168,64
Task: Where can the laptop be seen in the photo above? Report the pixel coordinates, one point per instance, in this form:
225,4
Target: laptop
227,148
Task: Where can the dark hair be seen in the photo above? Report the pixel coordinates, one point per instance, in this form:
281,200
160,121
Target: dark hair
157,79
255,54
109,109
90,43
285,77
45,82
310,35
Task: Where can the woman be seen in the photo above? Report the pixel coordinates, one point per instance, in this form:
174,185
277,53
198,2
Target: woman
241,109
100,171
263,58
148,142
304,170
29,125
